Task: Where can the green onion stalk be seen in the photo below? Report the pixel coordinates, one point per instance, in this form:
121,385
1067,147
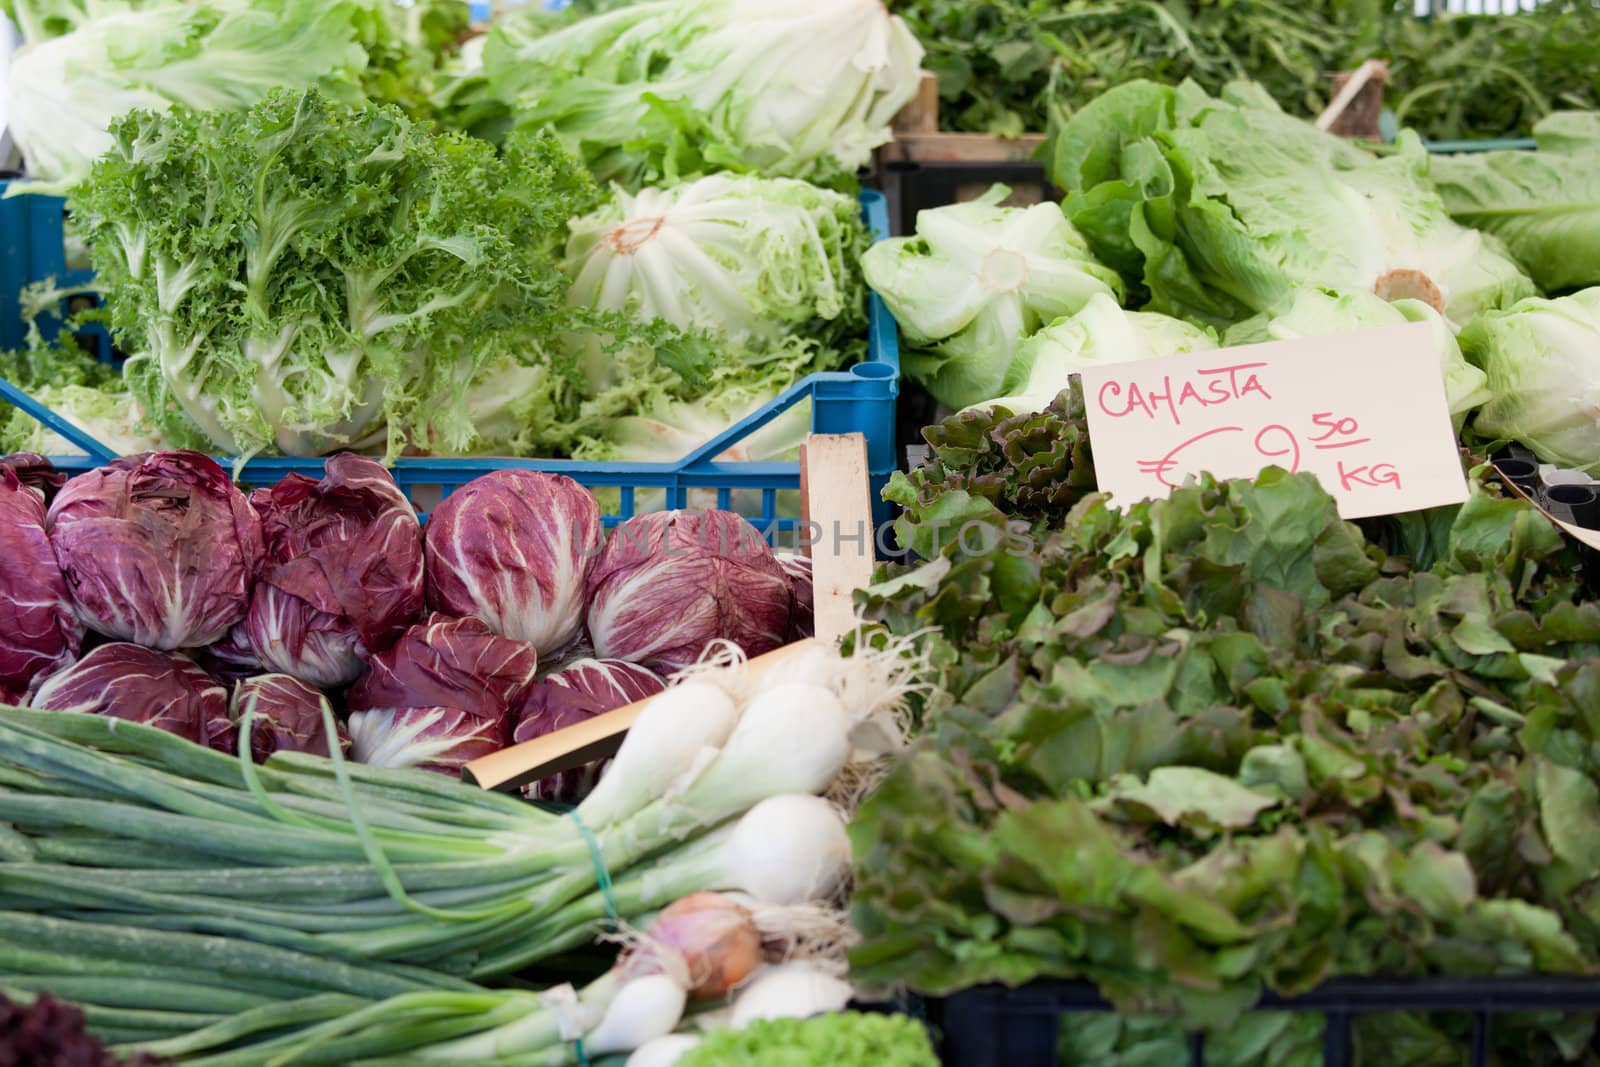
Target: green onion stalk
699,949
308,877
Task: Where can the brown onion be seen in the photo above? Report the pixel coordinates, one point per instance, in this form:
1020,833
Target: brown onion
715,936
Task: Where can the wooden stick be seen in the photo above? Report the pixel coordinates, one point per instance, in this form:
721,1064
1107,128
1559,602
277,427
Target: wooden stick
921,113
588,741
838,498
1347,95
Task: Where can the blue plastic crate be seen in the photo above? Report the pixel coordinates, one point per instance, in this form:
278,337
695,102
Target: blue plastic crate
33,249
859,399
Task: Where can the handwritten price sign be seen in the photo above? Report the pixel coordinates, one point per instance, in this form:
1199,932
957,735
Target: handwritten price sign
1365,412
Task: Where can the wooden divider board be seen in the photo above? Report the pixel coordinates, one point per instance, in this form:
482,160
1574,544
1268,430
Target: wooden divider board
918,139
836,496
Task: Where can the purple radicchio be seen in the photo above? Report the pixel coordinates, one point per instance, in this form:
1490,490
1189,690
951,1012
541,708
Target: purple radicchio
35,471
127,681
230,659
342,573
581,690
425,739
288,716
442,696
670,582
514,548
157,549
803,623
39,630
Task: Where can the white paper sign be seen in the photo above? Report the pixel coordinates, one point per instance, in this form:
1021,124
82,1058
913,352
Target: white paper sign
1363,411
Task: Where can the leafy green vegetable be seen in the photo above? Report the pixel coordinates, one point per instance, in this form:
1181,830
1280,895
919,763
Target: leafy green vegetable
1484,76
1544,205
1099,334
1220,207
111,416
304,277
1005,65
408,48
847,1039
761,275
664,90
753,262
1399,756
1542,358
990,468
976,280
1568,131
1260,1039
662,423
84,65
72,383
1311,312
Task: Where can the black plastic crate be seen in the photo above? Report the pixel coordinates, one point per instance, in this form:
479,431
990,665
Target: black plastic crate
915,186
991,1026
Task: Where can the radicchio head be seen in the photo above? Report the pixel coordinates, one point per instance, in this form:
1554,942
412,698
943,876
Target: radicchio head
157,549
579,691
39,630
670,582
442,696
288,716
127,681
514,548
803,623
342,573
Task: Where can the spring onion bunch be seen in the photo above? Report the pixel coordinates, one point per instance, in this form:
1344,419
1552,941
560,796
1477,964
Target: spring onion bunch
698,950
207,880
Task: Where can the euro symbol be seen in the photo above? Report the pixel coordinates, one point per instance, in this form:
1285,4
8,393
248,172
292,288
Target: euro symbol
1169,462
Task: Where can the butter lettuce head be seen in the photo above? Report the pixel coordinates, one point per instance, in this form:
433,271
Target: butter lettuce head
1219,207
1312,312
1099,335
1544,205
82,67
1542,358
746,259
976,280
668,89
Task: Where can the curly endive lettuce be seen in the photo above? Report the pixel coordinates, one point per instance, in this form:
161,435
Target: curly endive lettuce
975,281
1218,208
304,277
667,89
85,64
